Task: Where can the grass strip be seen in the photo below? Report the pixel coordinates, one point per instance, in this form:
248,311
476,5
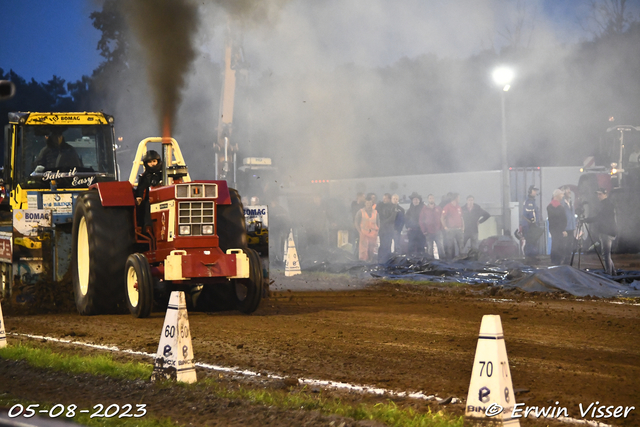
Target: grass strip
104,365
388,413
93,365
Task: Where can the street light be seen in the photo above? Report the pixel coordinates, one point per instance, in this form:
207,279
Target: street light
503,77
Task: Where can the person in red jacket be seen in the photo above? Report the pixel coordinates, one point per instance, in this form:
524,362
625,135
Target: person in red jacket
367,223
453,225
431,226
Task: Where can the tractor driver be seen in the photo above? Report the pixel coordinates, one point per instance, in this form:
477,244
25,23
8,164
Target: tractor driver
57,154
151,177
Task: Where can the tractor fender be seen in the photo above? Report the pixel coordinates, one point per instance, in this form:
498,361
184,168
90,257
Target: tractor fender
115,193
224,198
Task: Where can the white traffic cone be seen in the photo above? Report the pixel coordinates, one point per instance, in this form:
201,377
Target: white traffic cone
491,395
291,261
174,360
286,250
3,335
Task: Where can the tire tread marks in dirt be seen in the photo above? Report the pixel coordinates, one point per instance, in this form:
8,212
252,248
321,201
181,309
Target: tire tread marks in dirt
110,239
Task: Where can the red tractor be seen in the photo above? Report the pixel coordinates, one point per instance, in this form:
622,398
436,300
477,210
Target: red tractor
619,173
197,243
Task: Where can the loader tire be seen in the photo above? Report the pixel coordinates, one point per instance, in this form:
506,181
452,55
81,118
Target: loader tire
231,228
249,291
103,238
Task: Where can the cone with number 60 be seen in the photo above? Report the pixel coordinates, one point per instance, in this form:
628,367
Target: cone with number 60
174,359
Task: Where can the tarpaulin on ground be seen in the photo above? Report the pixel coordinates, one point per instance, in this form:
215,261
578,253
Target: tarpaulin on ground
576,282
508,273
463,270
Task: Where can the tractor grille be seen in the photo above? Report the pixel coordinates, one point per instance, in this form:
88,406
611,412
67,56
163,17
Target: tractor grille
196,215
196,191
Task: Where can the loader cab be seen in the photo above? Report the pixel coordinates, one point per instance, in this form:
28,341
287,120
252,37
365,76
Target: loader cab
88,156
45,151
258,177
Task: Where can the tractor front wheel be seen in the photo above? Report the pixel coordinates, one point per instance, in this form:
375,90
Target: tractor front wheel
139,286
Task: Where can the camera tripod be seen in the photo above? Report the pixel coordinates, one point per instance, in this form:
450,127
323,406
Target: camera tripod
577,247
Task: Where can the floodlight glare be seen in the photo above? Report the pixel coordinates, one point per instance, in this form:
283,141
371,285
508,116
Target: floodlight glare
502,76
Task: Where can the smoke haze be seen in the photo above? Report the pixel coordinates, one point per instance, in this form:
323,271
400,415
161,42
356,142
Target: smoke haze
338,89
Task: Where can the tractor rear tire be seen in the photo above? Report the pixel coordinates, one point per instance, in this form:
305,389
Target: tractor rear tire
231,227
103,238
232,234
138,286
249,291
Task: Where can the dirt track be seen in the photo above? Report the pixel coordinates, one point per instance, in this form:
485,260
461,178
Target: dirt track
404,338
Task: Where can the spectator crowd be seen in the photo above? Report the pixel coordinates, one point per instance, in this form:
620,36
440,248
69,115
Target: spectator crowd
445,230
380,229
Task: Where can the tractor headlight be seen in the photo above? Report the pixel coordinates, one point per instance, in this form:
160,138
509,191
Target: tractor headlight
185,229
207,229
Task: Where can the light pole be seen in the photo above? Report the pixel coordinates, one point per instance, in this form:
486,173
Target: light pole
503,76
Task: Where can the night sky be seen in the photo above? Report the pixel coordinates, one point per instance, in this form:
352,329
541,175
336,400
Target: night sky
47,37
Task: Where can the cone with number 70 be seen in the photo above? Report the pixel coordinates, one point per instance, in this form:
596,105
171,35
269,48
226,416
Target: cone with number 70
491,395
174,360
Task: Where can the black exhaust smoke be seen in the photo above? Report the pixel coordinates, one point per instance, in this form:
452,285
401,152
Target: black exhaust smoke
165,29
